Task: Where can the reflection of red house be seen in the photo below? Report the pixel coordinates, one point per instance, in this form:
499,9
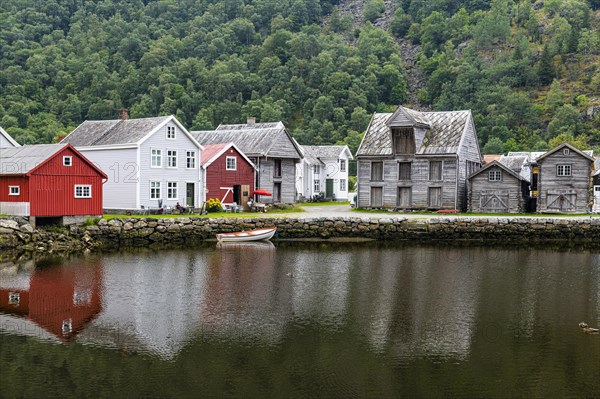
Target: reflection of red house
49,180
61,300
229,173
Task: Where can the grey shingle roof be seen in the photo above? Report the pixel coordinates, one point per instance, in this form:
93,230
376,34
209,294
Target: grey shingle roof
112,132
500,165
324,151
21,160
514,163
443,137
310,156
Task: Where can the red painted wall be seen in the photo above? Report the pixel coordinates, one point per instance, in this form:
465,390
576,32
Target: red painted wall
21,181
217,176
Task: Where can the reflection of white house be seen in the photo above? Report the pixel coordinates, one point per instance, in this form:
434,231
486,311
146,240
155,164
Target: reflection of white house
6,141
149,161
596,185
324,169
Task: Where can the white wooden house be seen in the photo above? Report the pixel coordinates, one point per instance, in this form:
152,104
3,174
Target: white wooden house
6,141
270,147
324,169
417,160
150,162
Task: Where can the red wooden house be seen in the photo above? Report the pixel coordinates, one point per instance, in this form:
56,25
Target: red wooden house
49,180
59,300
229,174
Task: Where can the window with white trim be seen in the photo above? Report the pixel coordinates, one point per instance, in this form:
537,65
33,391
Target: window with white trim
316,169
83,191
67,326
171,158
231,163
14,298
190,159
342,184
14,190
171,132
156,156
566,151
67,161
495,175
563,170
317,185
155,190
172,190
342,165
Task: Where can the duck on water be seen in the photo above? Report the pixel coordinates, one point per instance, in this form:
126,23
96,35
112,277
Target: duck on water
587,329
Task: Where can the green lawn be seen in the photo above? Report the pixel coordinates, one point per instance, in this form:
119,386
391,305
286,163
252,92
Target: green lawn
327,203
271,212
432,213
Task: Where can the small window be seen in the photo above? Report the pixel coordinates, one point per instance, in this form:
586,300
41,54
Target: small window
566,151
171,132
14,190
316,169
156,158
172,190
404,171
67,326
171,158
190,159
155,190
376,171
342,184
82,298
277,168
83,191
14,298
435,170
342,165
495,175
67,161
563,170
231,163
317,185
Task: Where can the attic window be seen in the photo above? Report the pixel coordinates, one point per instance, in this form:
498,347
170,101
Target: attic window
231,163
563,170
171,132
342,165
404,141
566,151
67,161
495,175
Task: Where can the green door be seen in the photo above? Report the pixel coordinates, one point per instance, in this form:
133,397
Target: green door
329,188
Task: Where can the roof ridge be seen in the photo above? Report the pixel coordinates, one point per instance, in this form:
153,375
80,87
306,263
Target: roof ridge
107,132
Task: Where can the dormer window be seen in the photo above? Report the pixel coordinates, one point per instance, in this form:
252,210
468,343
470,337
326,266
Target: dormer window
404,141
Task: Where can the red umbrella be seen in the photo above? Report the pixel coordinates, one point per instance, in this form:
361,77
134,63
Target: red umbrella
262,192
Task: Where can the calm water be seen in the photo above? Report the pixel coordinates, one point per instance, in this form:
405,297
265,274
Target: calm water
304,321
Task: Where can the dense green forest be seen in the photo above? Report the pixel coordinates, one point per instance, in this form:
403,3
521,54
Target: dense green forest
528,70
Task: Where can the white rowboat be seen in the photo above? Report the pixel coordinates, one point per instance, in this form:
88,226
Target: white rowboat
249,235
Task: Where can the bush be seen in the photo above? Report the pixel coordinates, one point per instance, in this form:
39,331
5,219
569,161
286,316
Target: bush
91,221
213,205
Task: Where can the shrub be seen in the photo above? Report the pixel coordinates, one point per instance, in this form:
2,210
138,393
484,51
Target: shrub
213,205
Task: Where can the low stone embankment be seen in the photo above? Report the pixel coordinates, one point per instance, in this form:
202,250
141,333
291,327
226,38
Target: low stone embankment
18,234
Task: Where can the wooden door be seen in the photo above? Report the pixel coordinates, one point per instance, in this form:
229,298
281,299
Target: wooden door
329,188
376,197
404,197
245,194
277,192
189,194
561,202
434,197
494,201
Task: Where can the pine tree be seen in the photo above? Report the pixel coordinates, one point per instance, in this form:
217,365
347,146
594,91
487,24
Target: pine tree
546,70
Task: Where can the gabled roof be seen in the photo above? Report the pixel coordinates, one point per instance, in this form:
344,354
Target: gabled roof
491,157
416,118
597,166
252,139
518,164
26,159
501,166
8,138
586,154
443,137
326,151
212,152
531,156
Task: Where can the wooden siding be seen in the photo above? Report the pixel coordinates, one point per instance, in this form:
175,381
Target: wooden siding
21,181
218,176
283,148
55,195
121,167
575,188
508,190
267,181
468,152
4,143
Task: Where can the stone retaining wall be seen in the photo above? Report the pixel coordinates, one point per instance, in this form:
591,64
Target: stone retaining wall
18,234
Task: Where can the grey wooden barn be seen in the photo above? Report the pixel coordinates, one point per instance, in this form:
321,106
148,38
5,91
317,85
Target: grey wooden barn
564,180
270,147
500,187
417,160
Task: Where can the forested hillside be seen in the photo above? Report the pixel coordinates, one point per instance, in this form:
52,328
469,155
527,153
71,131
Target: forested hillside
529,70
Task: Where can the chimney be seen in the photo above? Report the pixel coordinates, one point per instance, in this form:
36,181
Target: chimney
123,114
251,120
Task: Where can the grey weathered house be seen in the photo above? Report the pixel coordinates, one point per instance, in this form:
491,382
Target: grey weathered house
564,180
596,186
270,147
417,160
500,186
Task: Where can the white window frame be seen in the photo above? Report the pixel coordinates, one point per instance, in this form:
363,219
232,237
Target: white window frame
343,186
68,160
316,169
317,185
82,193
155,154
228,165
12,191
343,165
171,135
172,159
566,151
67,326
172,189
155,185
495,175
190,159
563,170
14,298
